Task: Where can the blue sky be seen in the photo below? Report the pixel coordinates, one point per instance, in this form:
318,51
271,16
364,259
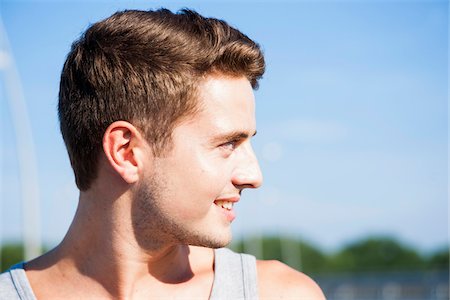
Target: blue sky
352,116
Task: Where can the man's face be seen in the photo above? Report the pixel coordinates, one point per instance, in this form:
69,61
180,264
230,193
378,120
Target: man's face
187,196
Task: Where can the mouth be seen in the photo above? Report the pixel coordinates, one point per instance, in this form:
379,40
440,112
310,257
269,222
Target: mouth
226,207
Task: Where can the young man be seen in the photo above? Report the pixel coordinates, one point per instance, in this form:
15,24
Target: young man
157,113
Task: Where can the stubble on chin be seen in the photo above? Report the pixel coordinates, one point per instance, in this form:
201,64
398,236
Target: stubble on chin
154,228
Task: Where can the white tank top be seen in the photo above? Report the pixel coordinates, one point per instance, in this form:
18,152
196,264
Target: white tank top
234,278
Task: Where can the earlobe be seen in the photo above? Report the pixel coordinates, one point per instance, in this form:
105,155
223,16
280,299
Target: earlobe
119,143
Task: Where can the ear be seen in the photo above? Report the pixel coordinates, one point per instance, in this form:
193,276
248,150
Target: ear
120,143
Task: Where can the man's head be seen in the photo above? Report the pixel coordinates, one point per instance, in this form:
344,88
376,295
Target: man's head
188,195
144,67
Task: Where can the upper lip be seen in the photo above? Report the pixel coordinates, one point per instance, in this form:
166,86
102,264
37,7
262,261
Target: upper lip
229,199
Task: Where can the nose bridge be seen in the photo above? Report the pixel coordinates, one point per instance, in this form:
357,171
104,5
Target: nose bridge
248,172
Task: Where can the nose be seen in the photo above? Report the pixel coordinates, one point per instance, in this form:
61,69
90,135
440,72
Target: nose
247,173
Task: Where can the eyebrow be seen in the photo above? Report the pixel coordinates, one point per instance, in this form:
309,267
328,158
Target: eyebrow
235,135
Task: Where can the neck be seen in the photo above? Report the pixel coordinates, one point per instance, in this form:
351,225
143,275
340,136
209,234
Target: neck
100,249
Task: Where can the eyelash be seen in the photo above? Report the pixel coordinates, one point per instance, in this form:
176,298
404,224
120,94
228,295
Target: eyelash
233,144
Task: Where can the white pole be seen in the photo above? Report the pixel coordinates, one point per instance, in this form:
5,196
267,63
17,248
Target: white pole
1,172
25,151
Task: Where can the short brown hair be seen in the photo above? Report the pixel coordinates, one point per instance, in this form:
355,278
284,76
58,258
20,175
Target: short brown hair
143,67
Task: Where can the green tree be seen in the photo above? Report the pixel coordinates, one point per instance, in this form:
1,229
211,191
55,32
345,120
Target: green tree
439,260
376,254
313,260
10,255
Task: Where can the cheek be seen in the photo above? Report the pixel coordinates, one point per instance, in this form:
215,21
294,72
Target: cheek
197,188
194,180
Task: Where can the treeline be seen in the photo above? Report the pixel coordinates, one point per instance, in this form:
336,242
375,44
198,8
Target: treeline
366,255
373,254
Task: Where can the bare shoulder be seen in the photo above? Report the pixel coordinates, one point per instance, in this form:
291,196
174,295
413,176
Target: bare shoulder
278,281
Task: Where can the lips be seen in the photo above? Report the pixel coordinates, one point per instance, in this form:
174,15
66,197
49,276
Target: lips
224,204
227,206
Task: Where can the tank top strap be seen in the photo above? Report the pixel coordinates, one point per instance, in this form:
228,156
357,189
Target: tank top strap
235,276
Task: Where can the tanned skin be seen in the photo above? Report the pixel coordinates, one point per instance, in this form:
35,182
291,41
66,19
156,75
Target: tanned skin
115,247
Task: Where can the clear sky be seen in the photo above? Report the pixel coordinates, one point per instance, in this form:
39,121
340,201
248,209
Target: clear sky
352,115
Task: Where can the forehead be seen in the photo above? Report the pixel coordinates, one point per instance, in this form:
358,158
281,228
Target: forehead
226,96
226,104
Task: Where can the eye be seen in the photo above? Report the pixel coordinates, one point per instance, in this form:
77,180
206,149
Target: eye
230,146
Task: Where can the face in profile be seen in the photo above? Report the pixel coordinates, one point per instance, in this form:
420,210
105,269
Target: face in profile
187,195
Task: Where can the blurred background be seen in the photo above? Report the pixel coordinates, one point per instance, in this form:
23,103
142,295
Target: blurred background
352,137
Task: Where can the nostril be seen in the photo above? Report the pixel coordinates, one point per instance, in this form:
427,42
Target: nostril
252,178
245,186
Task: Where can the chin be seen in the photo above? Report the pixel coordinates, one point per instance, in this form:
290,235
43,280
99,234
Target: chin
209,244
212,240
